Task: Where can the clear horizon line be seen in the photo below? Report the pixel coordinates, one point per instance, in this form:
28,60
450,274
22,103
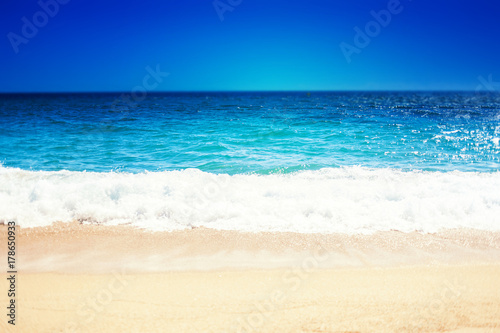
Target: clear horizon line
237,91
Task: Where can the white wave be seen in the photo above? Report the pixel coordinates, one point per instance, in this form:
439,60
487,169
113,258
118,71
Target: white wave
348,200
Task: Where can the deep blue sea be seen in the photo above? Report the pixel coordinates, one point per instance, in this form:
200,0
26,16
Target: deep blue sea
251,132
297,161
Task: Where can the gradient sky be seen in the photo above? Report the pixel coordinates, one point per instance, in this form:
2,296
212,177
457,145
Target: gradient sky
106,45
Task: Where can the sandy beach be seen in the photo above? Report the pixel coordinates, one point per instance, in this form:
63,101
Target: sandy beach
94,278
230,166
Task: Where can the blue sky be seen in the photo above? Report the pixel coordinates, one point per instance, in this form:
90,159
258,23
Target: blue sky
259,45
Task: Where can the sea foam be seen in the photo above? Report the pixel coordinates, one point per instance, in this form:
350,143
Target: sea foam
347,200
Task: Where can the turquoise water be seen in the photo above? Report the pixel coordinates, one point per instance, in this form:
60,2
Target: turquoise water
298,162
251,132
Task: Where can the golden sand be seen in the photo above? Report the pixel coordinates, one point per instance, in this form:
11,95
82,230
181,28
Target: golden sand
88,278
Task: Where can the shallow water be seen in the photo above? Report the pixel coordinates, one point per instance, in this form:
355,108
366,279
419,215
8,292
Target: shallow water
318,162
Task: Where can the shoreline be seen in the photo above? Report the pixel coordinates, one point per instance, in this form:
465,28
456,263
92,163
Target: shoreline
93,278
81,248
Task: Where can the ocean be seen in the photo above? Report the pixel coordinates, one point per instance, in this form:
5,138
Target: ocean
317,162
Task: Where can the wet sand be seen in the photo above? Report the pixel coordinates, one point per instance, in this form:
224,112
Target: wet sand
93,278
